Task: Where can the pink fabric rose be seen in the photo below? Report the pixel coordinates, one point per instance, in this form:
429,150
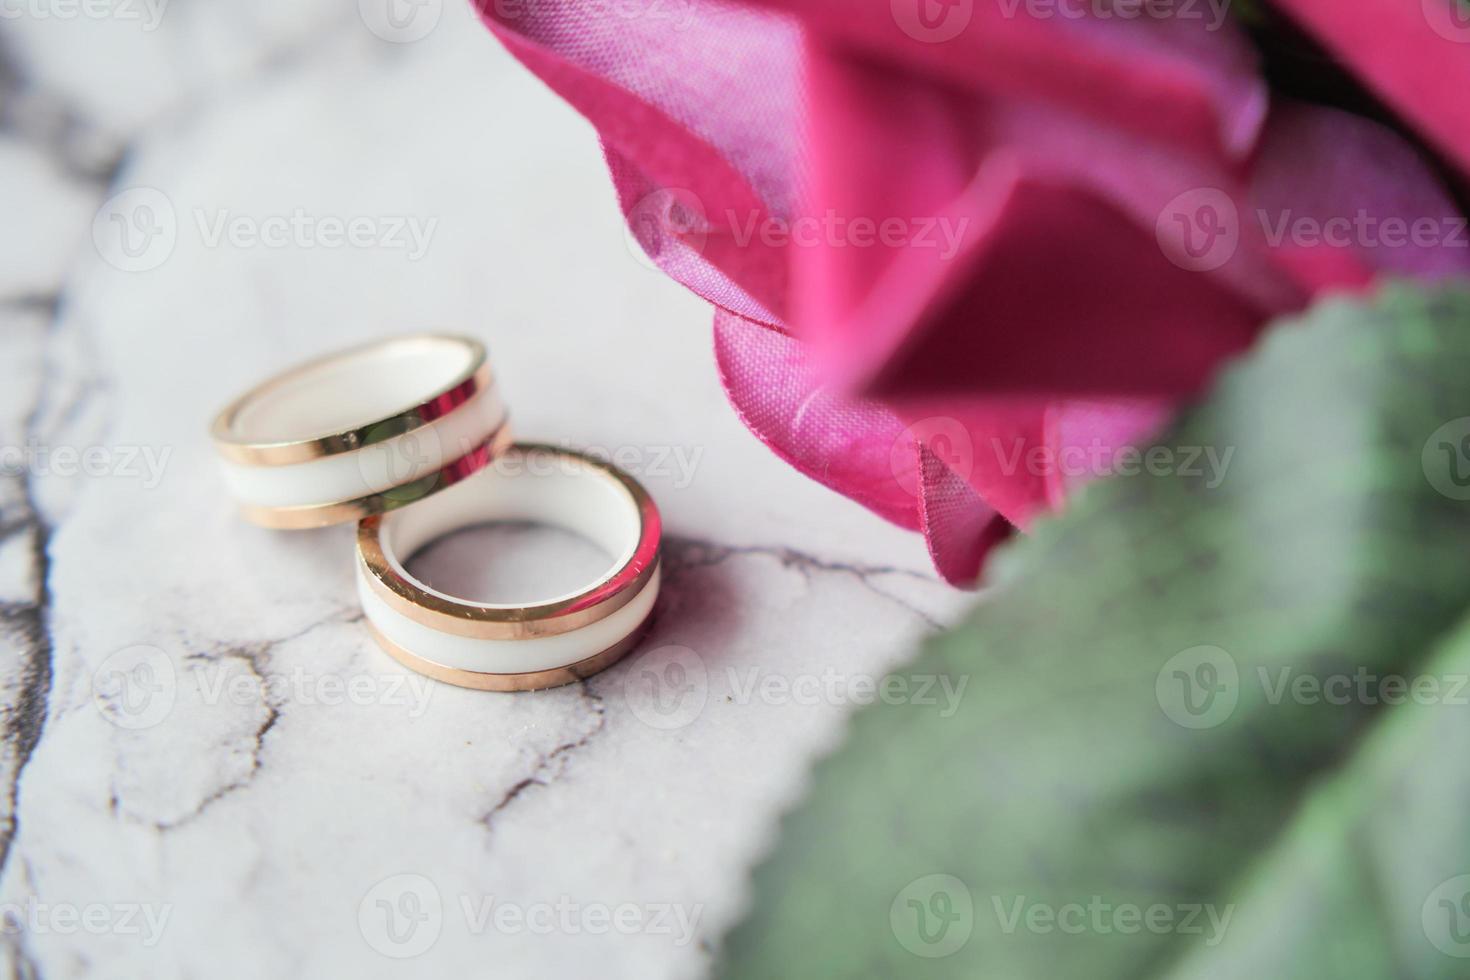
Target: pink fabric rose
962,252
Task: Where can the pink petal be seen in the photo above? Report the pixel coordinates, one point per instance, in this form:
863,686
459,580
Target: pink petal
1182,78
1083,440
1027,232
959,527
1351,193
1075,159
658,93
857,448
860,449
1059,294
1415,53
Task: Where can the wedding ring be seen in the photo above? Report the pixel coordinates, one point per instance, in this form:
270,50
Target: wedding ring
362,431
501,647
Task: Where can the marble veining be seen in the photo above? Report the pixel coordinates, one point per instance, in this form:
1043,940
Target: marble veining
206,767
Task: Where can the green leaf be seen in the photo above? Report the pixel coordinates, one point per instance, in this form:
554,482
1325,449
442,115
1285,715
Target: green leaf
1139,781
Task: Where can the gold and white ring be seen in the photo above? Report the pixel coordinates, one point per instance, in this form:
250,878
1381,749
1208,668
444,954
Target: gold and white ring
361,431
516,647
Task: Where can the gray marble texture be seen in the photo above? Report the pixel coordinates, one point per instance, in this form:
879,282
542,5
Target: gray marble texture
207,768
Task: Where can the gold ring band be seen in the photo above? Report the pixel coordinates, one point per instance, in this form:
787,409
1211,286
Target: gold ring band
528,681
331,441
573,632
447,615
475,377
373,505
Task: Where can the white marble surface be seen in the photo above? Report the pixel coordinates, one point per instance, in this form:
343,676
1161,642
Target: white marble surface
208,770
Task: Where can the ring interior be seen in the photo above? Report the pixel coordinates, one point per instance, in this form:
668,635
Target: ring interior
352,390
572,494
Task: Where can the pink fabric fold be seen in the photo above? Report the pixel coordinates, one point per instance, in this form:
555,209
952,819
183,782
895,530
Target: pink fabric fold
1177,79
962,256
1415,53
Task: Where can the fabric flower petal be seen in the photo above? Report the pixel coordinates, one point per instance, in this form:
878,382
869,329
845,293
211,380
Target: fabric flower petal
914,475
1190,79
658,93
858,448
1414,53
1327,180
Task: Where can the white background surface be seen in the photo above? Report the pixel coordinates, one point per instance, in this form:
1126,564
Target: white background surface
196,724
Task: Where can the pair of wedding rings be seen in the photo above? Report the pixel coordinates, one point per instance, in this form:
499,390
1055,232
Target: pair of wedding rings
409,437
